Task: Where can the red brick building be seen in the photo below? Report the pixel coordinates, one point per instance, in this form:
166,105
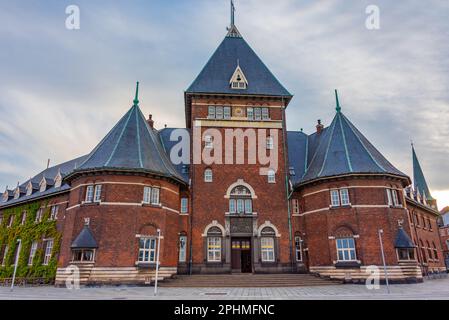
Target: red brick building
444,234
234,191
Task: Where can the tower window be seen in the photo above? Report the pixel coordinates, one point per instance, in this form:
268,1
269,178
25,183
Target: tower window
271,176
208,175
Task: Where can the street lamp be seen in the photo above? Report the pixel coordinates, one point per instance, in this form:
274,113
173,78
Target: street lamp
19,245
383,259
157,259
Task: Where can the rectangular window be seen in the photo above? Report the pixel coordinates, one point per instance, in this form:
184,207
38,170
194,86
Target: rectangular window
211,112
214,249
83,255
97,197
265,114
24,217
5,254
184,205
232,206
271,176
250,113
346,249
54,212
240,206
182,248
406,254
395,198
209,144
155,196
39,215
295,205
298,248
48,250
227,112
248,206
146,195
208,175
33,250
257,114
147,250
89,193
389,197
267,249
10,221
218,112
344,196
335,199
270,143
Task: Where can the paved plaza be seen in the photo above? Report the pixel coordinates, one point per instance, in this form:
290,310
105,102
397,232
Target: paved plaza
430,289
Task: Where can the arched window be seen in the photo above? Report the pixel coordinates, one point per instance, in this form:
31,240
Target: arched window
208,175
214,236
267,244
182,247
240,200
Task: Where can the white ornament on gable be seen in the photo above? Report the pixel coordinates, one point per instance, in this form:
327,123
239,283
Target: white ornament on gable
238,79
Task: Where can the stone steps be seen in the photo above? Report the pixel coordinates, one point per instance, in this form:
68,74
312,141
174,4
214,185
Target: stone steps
247,280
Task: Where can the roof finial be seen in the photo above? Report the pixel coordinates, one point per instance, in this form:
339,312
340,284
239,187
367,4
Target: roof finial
232,13
136,98
338,108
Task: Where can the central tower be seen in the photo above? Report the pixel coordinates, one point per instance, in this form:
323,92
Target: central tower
235,109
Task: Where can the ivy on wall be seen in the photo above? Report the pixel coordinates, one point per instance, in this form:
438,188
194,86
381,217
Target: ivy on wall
28,232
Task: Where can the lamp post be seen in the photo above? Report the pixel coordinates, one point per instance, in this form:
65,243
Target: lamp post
19,245
157,259
383,259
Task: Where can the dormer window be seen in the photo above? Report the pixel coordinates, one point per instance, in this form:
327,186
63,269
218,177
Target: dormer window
29,189
238,80
58,180
17,193
43,185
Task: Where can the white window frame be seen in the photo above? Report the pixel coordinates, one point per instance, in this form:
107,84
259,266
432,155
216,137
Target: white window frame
227,113
395,197
182,257
344,197
48,251
270,143
39,215
155,196
219,113
54,212
389,197
5,254
265,114
257,114
184,205
208,175
295,205
151,250
298,248
24,217
97,193
250,113
211,112
347,250
33,250
208,142
146,195
214,249
89,193
10,221
335,198
271,176
267,253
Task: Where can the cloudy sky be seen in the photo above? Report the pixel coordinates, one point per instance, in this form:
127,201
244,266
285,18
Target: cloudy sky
62,90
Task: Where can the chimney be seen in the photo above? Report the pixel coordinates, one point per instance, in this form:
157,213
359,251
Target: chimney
319,127
150,121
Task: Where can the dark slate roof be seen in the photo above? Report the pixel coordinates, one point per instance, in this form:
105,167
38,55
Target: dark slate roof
164,136
342,149
65,168
419,181
85,240
131,145
297,153
216,74
403,240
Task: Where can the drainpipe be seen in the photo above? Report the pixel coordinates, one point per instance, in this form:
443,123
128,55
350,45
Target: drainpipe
284,139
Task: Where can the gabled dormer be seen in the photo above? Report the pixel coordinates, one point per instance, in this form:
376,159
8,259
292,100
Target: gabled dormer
18,192
58,179
238,79
7,195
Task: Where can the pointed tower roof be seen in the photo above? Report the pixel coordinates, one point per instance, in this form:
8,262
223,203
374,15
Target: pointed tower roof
403,240
342,149
419,181
131,145
84,240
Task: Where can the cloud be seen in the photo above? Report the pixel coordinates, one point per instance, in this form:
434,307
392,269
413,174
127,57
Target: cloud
61,91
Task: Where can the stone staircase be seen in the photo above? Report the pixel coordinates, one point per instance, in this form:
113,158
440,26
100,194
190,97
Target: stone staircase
246,280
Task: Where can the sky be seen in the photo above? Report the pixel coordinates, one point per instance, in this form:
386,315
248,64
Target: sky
62,90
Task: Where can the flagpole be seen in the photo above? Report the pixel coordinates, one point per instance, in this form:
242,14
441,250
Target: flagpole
157,259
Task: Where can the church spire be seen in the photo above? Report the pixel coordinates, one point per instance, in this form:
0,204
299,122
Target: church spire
419,181
136,98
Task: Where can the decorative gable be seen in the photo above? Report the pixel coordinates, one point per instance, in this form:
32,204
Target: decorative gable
29,189
58,179
238,79
43,185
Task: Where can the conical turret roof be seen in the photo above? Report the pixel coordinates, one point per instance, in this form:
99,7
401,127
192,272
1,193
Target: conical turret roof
419,181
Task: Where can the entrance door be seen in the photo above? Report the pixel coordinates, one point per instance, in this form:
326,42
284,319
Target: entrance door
241,255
